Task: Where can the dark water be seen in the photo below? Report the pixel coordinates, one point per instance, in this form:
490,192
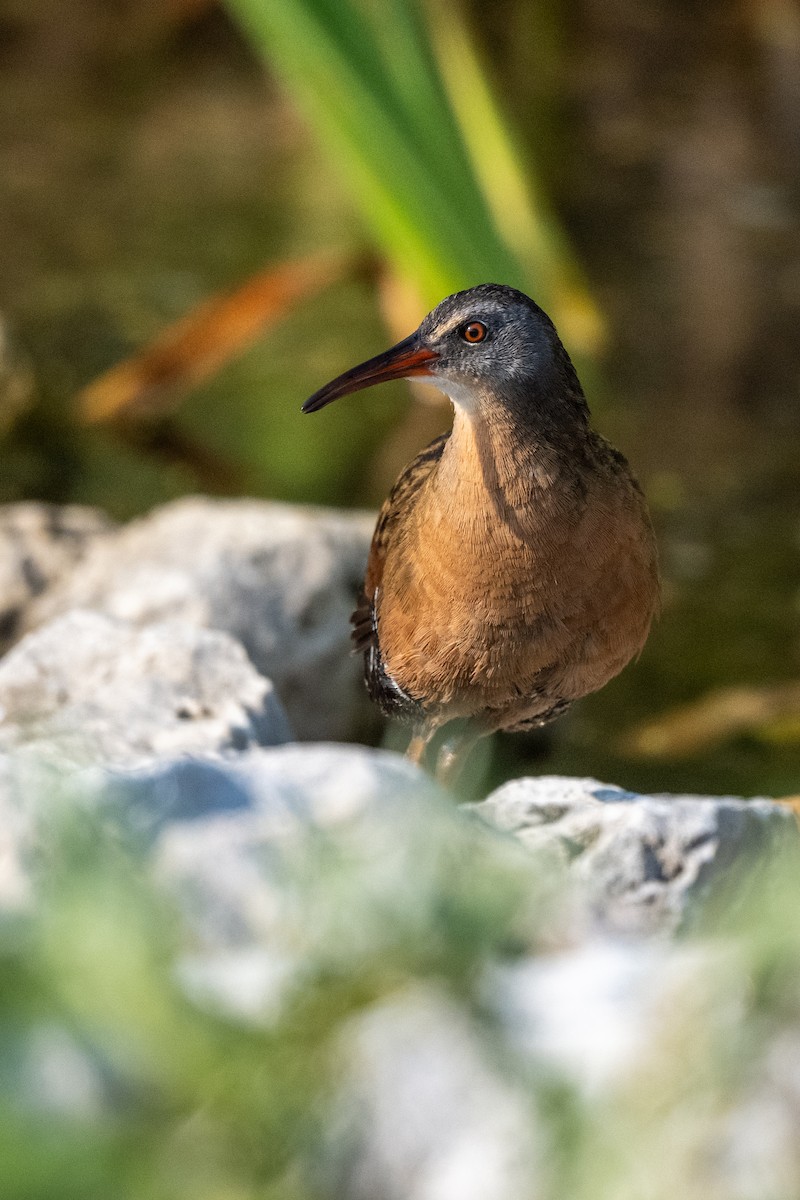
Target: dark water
147,163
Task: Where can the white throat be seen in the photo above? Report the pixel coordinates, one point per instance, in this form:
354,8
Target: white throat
462,395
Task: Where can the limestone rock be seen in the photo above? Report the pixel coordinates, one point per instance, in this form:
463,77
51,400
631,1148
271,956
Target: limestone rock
462,1002
644,862
280,578
425,1110
38,544
271,835
285,788
87,687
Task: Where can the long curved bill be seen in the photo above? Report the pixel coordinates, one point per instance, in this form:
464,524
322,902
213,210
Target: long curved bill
404,361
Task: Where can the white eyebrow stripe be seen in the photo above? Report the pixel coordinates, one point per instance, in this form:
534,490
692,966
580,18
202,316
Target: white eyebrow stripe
443,329
456,322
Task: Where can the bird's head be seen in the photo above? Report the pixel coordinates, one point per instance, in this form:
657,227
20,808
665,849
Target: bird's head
484,347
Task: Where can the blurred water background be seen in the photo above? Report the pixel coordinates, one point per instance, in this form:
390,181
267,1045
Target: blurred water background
152,157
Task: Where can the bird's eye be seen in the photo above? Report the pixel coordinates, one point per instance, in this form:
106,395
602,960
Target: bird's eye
474,332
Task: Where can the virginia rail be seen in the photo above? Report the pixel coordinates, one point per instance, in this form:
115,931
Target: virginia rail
513,567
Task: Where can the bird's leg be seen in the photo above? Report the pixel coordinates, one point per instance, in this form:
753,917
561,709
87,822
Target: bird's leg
417,747
422,737
454,752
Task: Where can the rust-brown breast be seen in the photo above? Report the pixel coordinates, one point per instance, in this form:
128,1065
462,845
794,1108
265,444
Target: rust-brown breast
507,576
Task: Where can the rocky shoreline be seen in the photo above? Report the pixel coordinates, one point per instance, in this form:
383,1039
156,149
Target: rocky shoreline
154,682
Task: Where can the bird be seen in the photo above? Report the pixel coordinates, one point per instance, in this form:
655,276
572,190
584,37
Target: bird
513,569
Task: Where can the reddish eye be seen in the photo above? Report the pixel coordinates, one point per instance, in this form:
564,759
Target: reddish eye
474,332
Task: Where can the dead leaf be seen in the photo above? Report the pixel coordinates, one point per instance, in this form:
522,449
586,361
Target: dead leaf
197,345
712,720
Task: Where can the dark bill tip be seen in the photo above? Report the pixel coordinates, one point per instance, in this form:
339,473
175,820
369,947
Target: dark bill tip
405,360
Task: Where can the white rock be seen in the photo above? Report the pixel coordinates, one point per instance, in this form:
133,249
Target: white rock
644,862
424,1110
39,543
300,866
280,578
252,871
87,687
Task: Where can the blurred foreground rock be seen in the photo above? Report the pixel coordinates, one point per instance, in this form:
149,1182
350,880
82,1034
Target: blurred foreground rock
516,931
281,579
473,1137
181,746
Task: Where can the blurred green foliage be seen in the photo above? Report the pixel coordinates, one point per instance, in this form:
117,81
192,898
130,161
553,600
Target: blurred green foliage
367,77
403,108
113,1084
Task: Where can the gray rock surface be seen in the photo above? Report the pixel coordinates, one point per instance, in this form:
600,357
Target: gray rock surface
177,779
643,862
425,1110
282,579
87,687
267,866
211,811
283,788
301,868
40,543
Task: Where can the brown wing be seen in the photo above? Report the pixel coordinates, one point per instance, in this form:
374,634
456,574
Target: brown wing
364,633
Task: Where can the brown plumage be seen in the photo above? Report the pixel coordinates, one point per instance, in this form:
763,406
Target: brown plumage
513,567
